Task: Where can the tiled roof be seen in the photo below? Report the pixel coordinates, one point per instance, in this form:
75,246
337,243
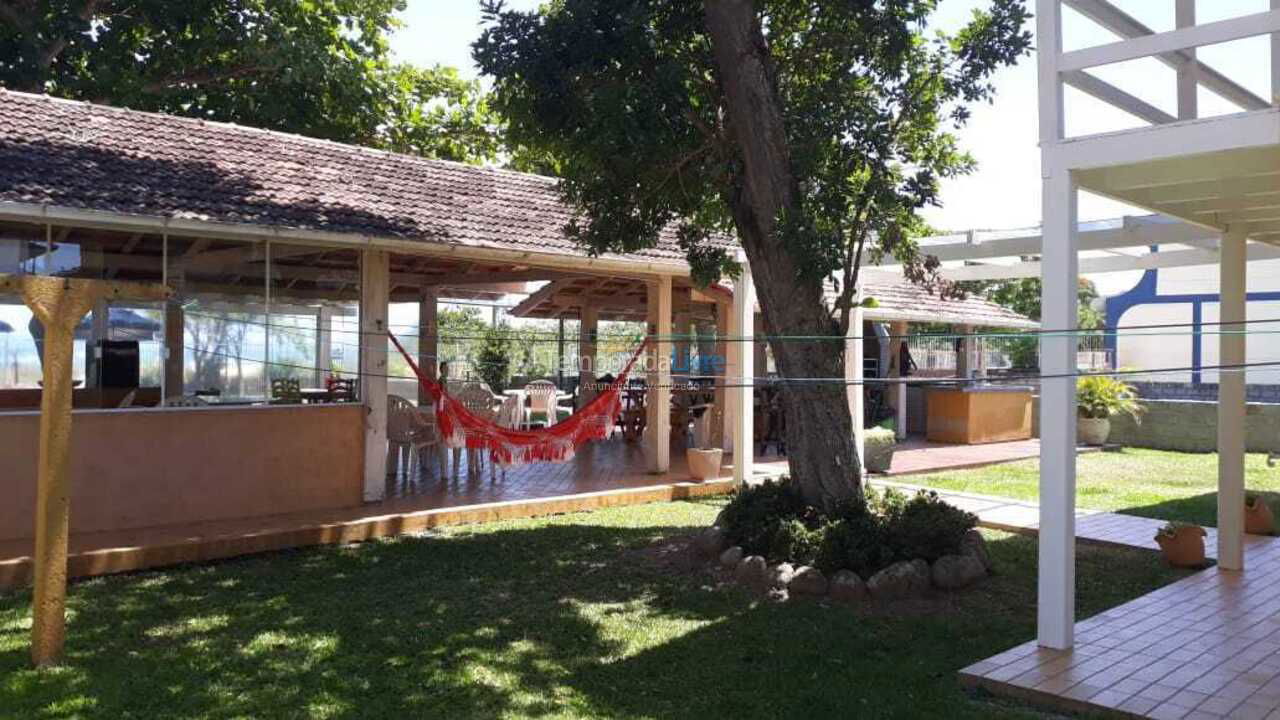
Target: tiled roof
95,157
902,300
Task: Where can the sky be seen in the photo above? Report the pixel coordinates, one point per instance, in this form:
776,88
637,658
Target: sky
1004,192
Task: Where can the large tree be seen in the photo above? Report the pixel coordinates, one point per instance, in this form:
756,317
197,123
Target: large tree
320,68
813,131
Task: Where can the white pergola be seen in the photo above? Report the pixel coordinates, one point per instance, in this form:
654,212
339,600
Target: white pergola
1220,174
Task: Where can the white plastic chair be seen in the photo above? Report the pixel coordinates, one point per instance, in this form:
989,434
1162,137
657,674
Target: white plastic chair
542,401
479,400
408,432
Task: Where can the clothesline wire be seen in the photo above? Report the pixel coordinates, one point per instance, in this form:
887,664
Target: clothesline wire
554,336
773,382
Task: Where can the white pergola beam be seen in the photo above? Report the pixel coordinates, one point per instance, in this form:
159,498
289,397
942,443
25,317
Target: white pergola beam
1184,170
1124,25
1115,263
1112,95
1136,48
741,373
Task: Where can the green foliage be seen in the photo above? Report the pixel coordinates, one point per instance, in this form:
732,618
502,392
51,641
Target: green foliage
1023,297
320,68
1101,396
773,520
926,527
753,517
494,357
628,98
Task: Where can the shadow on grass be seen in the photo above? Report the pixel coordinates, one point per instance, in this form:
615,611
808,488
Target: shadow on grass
1198,509
535,618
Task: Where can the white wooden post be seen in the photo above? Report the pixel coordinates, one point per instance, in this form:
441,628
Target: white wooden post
658,402
742,375
1275,61
1056,620
1232,269
588,325
1188,81
374,296
853,376
899,390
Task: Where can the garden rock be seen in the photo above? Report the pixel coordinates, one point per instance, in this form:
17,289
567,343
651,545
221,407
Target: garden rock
711,541
976,545
846,586
808,581
753,572
952,572
782,575
731,557
899,580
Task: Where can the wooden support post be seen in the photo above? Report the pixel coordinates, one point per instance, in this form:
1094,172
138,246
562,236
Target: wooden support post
428,338
59,304
1232,268
375,290
588,327
760,348
683,346
658,400
964,353
721,433
898,391
743,374
1060,281
175,350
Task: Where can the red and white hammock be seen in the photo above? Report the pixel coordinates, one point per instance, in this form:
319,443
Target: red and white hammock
459,428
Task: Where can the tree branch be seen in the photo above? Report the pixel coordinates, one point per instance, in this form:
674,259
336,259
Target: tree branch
203,77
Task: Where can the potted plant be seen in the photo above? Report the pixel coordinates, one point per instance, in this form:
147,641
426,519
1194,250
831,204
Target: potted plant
1181,544
704,463
1098,398
879,443
1258,519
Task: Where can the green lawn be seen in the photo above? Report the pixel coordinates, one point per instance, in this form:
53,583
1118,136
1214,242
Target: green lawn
561,617
1150,483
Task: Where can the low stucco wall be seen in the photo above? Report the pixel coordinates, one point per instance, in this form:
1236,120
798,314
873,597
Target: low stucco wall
142,468
1192,426
1188,426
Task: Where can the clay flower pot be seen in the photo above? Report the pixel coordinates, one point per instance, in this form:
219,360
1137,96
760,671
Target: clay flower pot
1258,519
704,464
1092,431
1182,545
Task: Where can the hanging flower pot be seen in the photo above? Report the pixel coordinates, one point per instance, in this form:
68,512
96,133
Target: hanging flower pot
1182,545
1258,519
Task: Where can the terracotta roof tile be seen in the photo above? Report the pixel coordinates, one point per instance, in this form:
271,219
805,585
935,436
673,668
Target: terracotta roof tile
96,157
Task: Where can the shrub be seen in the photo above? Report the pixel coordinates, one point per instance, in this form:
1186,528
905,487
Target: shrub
795,542
864,536
1101,396
752,518
926,527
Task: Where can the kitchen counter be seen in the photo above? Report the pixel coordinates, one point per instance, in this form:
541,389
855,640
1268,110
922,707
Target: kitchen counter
975,414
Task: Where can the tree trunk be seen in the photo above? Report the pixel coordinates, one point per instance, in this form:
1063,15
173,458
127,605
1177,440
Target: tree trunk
820,446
